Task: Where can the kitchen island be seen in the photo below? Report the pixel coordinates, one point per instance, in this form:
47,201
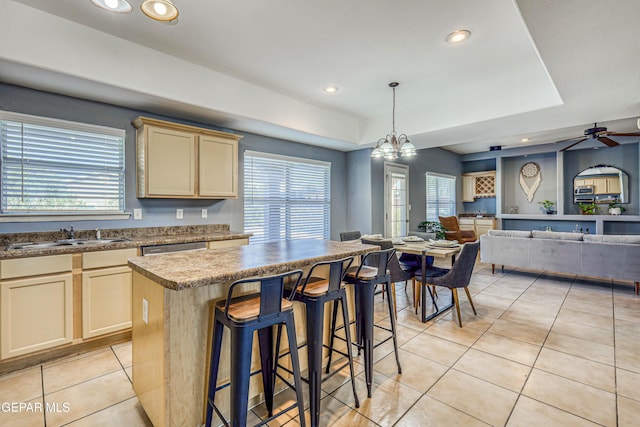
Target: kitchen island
173,296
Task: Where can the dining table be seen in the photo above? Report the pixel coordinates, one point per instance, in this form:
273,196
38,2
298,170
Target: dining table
424,249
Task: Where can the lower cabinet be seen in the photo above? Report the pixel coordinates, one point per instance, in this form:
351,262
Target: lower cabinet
106,292
37,314
479,225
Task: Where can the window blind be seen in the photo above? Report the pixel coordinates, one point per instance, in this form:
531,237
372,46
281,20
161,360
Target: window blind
56,166
286,198
441,196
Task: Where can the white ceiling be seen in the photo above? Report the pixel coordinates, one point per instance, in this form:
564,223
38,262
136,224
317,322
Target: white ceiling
542,69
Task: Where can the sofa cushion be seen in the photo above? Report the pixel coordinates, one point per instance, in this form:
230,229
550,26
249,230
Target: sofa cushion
509,233
613,238
556,235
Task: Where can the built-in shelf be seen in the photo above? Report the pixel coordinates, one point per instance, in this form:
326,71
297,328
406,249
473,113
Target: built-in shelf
599,220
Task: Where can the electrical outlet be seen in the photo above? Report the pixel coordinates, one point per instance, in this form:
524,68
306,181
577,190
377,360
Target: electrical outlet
137,214
204,213
145,310
179,214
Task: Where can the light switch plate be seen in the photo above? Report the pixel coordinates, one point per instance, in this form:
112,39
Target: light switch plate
179,214
137,214
205,213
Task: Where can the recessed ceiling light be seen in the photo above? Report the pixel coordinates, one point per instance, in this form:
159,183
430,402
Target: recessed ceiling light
458,36
160,10
117,6
525,140
330,88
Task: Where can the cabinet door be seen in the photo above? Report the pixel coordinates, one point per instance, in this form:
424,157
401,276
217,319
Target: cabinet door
483,226
218,167
468,188
600,185
36,314
613,185
466,224
106,301
170,162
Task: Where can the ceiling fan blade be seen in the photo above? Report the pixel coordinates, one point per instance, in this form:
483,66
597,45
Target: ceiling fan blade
623,134
608,141
581,138
574,144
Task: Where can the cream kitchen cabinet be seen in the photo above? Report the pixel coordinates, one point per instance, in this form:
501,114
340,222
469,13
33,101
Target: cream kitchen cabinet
468,188
106,292
479,225
36,304
180,161
477,185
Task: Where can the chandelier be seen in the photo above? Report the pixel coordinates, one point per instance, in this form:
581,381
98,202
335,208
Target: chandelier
393,145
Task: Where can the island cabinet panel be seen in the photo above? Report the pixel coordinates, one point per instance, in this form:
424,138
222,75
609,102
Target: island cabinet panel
106,292
36,313
217,244
187,162
218,165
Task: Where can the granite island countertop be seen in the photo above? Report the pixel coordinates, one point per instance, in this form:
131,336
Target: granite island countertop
136,237
183,270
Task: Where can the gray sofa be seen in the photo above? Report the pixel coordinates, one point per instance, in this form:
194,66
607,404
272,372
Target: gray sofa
606,256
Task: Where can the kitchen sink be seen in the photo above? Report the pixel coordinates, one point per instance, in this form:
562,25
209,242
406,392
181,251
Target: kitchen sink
65,242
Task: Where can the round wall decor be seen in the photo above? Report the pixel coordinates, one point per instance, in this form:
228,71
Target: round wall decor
530,172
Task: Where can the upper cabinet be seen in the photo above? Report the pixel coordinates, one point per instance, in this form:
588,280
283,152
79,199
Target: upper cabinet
187,162
478,184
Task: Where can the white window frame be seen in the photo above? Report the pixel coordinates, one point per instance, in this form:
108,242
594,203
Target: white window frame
452,204
31,215
285,200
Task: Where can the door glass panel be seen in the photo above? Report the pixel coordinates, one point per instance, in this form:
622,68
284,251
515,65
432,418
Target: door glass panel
398,205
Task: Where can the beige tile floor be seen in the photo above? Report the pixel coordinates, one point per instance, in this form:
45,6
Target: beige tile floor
543,350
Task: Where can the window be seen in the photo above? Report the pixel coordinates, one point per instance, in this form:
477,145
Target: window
56,166
441,196
285,198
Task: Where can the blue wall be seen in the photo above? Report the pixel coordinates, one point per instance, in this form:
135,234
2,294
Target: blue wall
161,212
485,205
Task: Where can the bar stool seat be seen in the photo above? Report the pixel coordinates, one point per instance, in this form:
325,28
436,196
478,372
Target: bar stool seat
243,309
243,316
314,293
364,272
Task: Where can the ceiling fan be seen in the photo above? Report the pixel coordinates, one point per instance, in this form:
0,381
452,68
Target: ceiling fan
599,133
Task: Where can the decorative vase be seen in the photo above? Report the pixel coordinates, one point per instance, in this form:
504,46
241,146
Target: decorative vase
615,211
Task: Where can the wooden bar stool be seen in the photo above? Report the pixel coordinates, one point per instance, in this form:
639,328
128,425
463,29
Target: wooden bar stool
314,292
243,315
372,271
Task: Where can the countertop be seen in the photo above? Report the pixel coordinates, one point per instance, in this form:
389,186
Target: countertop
136,238
182,270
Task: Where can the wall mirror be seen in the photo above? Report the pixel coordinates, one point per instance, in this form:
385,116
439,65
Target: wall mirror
601,184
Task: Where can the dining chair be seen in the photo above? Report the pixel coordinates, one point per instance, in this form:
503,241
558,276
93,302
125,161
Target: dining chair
458,276
453,230
350,235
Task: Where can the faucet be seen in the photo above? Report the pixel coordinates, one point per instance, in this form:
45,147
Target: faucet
71,234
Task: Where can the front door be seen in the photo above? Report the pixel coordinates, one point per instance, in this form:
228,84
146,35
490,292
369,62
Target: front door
396,200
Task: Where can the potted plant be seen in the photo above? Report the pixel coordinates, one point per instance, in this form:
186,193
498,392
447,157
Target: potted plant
615,208
433,227
548,206
588,208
